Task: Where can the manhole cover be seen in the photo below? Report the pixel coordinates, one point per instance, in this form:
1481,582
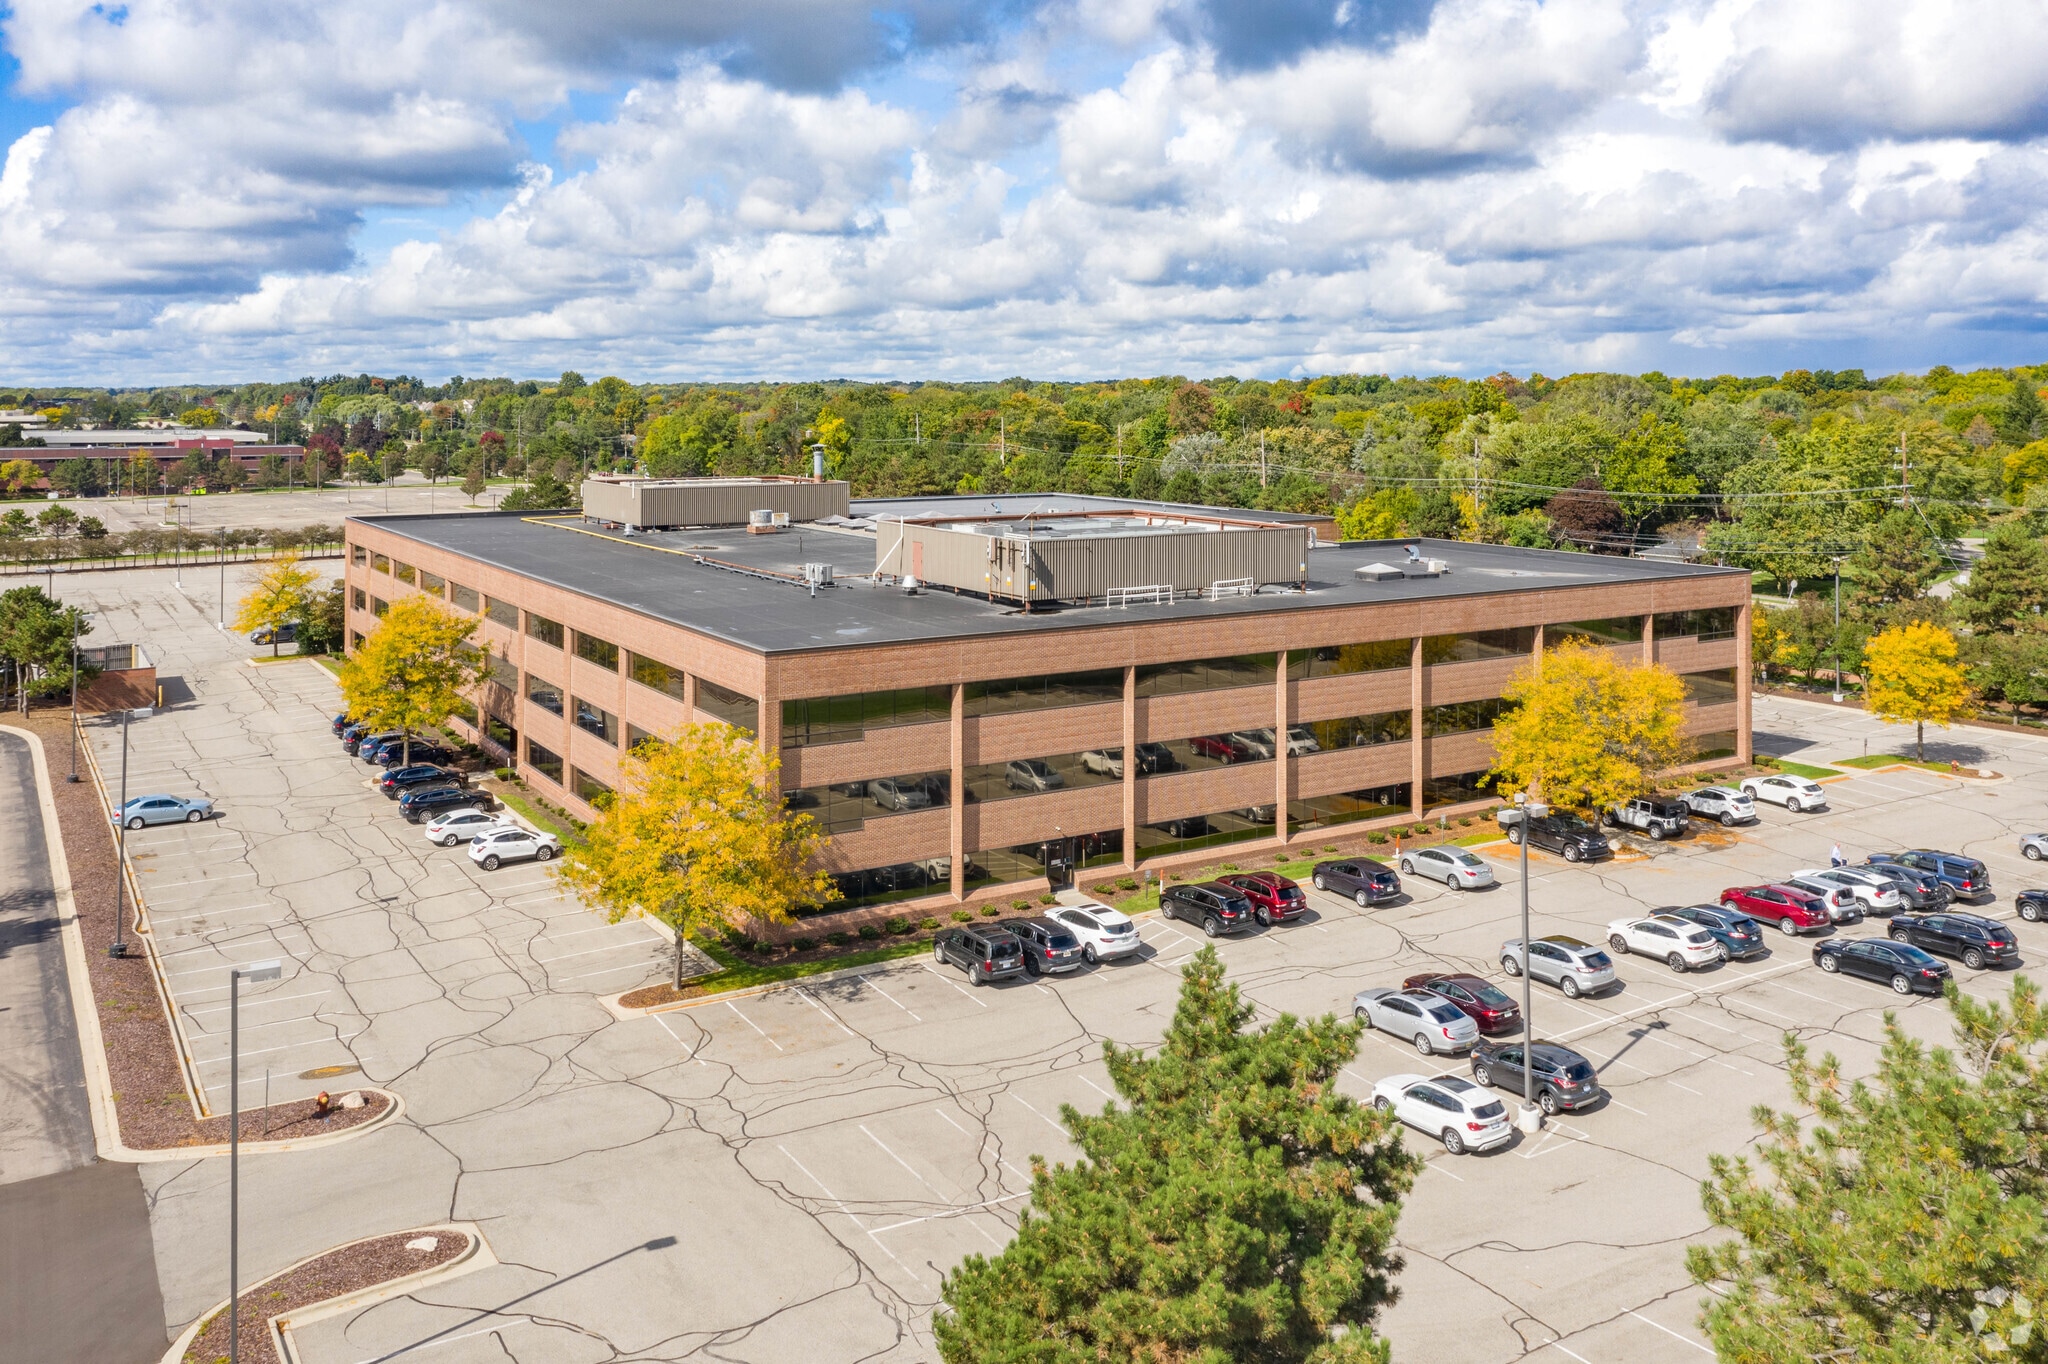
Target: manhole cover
327,1072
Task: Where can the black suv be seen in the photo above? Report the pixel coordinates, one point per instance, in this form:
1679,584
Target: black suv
985,954
1365,881
1216,907
341,722
1564,1079
2032,905
423,803
1918,889
1566,835
1978,941
397,781
1048,947
421,753
1966,876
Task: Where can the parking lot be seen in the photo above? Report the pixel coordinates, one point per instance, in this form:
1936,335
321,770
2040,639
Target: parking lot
821,1156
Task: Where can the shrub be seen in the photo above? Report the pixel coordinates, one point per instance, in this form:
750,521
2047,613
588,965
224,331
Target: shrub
1376,836
1465,823
505,774
990,911
1048,899
928,924
1127,883
869,932
961,916
840,939
805,944
899,924
1329,847
1020,905
1230,866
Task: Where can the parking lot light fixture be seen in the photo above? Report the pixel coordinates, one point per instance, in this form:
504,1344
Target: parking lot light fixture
255,972
1530,1118
119,946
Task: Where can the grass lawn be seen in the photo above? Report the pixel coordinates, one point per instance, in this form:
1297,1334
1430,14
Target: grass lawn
738,975
539,817
1875,760
1807,770
327,661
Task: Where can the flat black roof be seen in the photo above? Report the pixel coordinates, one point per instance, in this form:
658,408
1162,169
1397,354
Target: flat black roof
773,617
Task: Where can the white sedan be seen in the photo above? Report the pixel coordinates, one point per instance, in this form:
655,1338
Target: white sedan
1868,889
1676,943
1452,1109
1102,931
460,826
1794,793
512,845
1454,867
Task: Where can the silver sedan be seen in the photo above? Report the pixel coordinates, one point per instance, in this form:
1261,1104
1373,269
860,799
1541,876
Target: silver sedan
1454,867
2034,847
1430,1022
162,810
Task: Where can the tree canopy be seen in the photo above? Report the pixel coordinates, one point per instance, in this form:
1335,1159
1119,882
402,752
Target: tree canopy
411,672
282,596
1234,1209
1911,677
1906,1220
1586,730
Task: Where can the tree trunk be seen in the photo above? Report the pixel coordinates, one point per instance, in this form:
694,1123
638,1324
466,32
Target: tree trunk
1920,740
678,981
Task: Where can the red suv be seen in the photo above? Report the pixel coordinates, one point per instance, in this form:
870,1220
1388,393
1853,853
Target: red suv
1794,909
1275,899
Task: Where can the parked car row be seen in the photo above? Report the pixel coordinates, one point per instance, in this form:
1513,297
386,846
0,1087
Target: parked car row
1466,1116
1055,943
427,791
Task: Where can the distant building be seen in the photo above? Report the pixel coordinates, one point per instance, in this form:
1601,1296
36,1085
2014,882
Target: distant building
178,437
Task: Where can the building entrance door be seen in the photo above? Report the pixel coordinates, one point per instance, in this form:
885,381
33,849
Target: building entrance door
1059,866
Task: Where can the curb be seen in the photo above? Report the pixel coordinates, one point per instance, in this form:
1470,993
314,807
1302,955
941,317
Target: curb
478,1256
145,1155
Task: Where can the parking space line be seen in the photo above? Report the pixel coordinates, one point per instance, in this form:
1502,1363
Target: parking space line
805,996
956,1212
212,913
1573,1353
1097,1088
845,1212
886,995
955,985
607,971
295,1046
1669,1332
1687,1088
1041,1117
757,1028
263,999
202,881
593,951
578,933
890,1152
688,1050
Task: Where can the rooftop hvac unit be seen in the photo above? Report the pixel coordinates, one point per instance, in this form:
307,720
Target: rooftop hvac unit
818,573
762,517
780,520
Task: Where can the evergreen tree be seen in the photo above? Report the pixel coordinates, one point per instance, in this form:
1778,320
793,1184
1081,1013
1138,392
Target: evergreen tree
1237,1208
2022,411
1894,566
2008,587
543,492
1905,1222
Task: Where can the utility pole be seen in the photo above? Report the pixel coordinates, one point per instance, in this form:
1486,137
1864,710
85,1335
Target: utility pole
1119,452
1262,458
222,623
1905,478
1002,441
1838,627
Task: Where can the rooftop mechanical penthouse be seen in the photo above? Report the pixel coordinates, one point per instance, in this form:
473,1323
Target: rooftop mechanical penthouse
979,695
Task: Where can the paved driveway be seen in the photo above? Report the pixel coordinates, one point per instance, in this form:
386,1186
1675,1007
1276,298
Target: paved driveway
786,1177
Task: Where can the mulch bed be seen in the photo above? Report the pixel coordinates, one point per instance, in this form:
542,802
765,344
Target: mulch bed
149,1089
336,1274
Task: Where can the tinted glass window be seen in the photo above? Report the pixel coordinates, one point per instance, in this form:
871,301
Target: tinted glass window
659,676
544,762
464,598
501,612
735,708
1445,1014
1039,693
1478,644
1710,688
602,652
1611,630
547,631
1341,660
1463,717
1362,731
844,719
1206,674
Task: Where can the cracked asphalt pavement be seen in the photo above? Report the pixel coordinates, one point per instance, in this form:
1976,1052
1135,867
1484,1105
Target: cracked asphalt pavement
787,1177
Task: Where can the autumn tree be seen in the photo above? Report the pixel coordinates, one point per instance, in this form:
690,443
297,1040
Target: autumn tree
698,838
280,597
413,669
1587,730
1586,514
1235,1206
19,475
1906,1220
1911,677
473,481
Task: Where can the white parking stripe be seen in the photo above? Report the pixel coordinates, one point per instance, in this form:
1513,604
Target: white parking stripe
261,999
805,996
608,971
296,1046
886,995
593,951
153,888
752,1024
1669,1332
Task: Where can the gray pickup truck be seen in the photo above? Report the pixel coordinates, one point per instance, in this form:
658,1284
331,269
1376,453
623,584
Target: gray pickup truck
1660,817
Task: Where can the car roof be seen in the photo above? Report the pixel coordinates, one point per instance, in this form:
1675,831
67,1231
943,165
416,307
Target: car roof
1788,889
1564,940
1555,1051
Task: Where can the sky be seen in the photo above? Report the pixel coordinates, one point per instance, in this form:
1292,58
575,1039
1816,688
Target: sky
1063,189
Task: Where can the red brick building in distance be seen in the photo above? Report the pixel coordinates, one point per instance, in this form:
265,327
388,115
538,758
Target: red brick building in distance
978,696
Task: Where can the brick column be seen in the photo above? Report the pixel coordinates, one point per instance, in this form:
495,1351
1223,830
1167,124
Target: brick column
1416,764
1283,762
1743,666
1649,640
1130,768
957,786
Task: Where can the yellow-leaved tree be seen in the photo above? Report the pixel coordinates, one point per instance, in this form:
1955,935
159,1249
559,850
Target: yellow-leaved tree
1911,677
413,669
1587,730
282,596
699,838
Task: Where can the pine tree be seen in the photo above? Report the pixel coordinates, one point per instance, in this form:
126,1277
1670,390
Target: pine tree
1905,1221
2008,587
1895,565
1236,1208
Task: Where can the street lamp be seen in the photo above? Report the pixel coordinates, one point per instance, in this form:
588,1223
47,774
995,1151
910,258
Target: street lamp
1529,1119
119,946
255,972
75,616
1838,627
222,623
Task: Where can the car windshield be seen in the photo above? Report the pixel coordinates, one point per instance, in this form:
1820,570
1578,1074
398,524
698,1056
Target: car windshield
1465,859
1445,1014
1914,956
1597,960
1489,1111
1492,997
1571,823
1061,941
1578,1071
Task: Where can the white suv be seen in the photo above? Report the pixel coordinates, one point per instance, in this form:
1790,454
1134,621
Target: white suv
1875,893
512,845
1104,932
1724,803
1794,793
1676,943
460,826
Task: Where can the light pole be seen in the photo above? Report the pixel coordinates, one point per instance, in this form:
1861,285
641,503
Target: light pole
222,623
73,778
1838,627
1529,1119
119,946
255,972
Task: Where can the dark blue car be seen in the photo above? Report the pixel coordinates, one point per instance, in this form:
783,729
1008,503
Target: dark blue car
1740,936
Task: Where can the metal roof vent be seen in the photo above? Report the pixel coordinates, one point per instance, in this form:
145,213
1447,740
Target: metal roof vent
1379,573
